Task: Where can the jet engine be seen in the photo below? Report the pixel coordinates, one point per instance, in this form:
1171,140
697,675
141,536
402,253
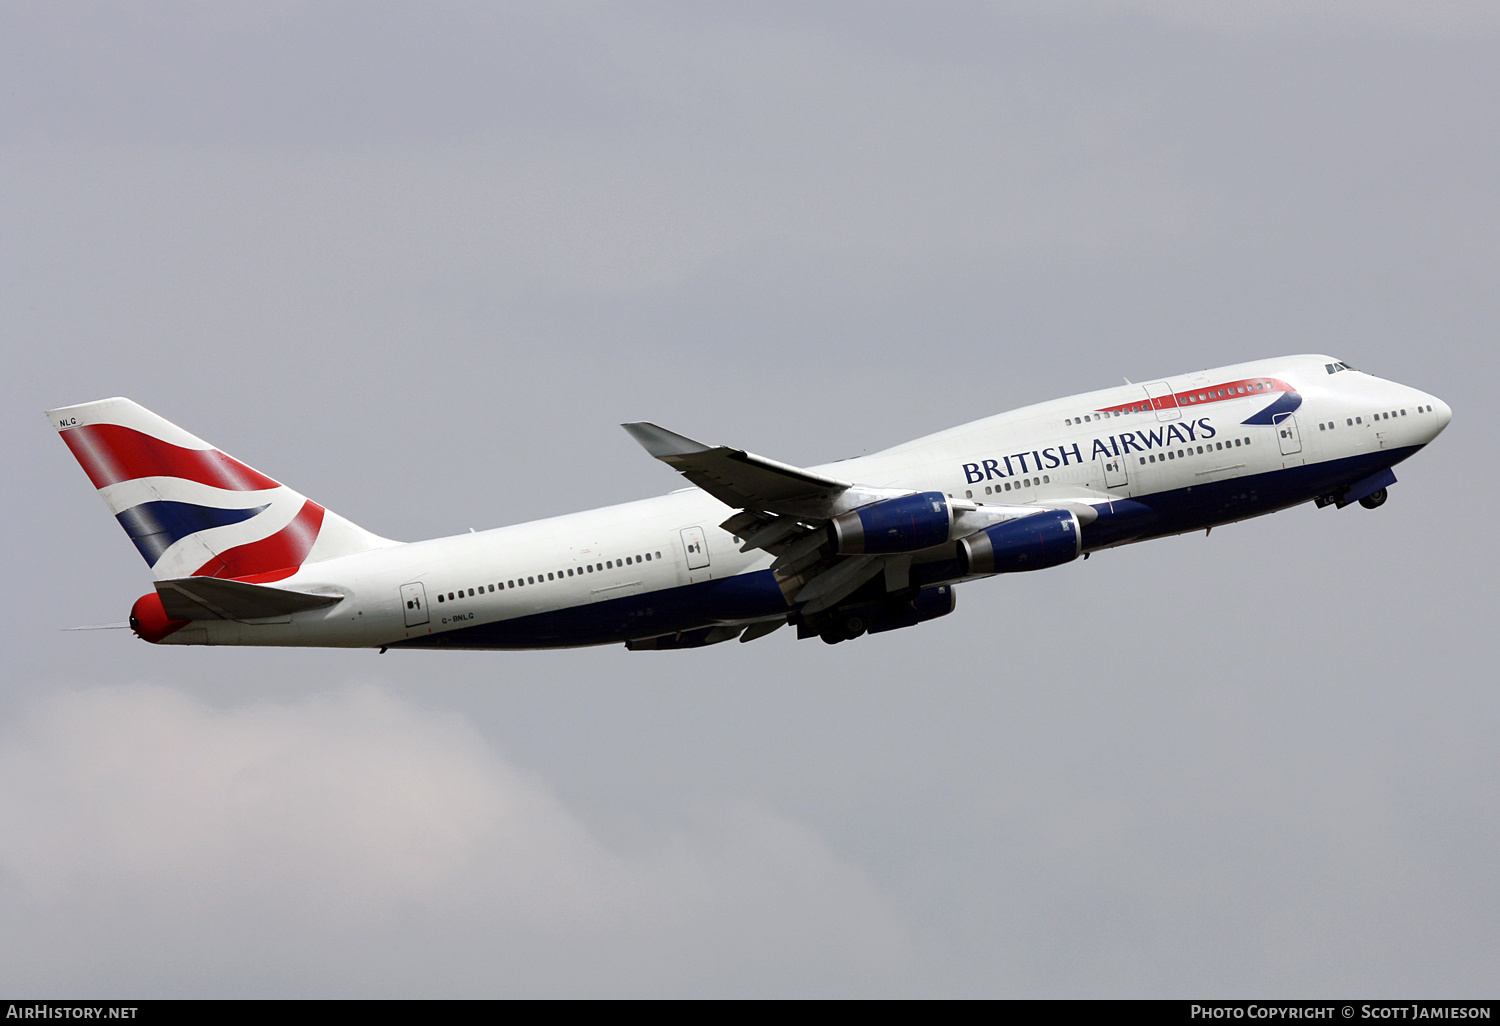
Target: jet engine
1033,542
903,524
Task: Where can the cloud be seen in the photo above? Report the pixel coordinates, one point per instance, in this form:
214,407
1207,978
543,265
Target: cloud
353,844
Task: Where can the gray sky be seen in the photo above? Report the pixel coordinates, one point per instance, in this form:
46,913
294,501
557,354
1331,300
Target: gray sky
420,261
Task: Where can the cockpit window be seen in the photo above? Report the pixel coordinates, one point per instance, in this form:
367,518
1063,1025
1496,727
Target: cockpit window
1334,368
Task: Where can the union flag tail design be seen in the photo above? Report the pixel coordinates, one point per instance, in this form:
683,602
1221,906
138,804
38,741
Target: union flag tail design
194,511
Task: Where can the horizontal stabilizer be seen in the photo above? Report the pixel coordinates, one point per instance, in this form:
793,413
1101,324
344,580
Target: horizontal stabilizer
735,477
209,598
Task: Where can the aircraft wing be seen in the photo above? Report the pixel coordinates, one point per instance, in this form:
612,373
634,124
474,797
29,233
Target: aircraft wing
785,511
737,478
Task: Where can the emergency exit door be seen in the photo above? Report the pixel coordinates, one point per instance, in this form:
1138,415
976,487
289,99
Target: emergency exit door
1115,475
414,598
1286,433
695,547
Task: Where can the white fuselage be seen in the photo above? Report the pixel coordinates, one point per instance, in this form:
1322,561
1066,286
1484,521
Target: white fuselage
1198,460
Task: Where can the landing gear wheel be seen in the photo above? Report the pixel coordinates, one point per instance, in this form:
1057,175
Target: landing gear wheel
1374,499
844,628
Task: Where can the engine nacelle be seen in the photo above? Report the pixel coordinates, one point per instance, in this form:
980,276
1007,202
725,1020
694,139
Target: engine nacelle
1029,543
903,524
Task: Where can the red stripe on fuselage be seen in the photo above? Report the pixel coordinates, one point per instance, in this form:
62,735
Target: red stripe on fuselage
111,453
1210,394
273,558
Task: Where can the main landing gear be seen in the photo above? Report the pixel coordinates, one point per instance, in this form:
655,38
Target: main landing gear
844,628
1374,499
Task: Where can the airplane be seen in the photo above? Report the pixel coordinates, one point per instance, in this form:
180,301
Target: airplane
860,546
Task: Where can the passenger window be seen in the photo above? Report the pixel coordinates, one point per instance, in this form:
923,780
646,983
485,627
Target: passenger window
531,580
648,557
1143,461
1046,479
440,596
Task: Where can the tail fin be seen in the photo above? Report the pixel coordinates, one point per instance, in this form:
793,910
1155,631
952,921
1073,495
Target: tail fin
194,511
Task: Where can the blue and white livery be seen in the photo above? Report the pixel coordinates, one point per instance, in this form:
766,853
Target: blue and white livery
860,546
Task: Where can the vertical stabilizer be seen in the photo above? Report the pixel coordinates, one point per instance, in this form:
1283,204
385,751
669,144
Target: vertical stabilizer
193,511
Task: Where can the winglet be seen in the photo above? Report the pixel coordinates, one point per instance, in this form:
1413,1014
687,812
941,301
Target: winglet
738,478
660,442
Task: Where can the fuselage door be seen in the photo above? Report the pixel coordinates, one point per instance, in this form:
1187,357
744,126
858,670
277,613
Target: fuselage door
696,547
414,598
1286,433
1115,475
1163,401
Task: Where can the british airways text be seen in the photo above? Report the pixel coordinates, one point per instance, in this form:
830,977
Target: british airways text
1110,446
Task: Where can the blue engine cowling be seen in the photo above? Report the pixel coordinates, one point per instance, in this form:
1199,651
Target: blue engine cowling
1029,543
903,524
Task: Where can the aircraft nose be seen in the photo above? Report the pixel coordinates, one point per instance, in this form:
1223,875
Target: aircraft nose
1443,412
